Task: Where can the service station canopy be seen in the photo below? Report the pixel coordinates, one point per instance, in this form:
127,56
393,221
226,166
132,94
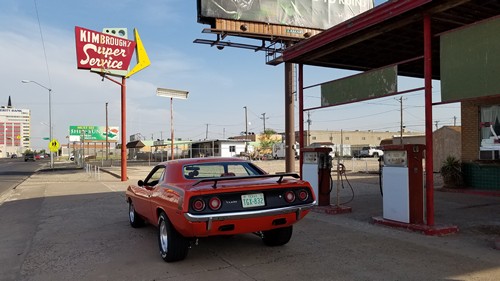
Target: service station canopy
393,34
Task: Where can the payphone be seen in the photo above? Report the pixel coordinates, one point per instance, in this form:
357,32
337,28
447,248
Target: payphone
403,183
316,169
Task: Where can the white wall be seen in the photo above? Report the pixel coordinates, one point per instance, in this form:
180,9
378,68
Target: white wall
224,152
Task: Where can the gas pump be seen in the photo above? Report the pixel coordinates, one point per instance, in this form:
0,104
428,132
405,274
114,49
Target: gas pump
403,183
316,169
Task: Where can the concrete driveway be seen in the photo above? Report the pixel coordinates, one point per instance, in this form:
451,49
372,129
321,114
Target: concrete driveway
69,225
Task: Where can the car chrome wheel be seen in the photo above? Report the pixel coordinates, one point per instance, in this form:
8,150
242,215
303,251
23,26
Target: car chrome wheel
173,246
163,236
134,219
131,212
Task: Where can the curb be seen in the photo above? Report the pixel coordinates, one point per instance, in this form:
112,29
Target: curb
112,173
470,191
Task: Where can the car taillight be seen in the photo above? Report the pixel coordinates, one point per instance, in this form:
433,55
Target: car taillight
214,203
303,195
289,196
198,205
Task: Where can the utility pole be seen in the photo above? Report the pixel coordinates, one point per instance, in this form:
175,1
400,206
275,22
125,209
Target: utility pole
309,122
401,120
206,133
246,130
437,122
264,119
454,120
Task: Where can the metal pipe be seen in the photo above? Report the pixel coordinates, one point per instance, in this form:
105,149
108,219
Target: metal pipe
429,176
301,115
289,119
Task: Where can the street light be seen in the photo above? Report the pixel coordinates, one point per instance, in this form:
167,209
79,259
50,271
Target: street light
50,116
177,94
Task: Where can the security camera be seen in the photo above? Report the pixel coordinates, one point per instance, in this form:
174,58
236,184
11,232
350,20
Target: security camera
220,47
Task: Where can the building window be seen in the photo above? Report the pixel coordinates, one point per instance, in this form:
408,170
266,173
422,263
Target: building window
313,138
379,138
363,138
490,131
346,138
232,148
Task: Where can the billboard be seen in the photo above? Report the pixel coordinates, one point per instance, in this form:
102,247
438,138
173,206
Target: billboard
316,14
100,50
93,133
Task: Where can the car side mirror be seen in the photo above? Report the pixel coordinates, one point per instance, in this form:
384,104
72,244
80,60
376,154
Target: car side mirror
140,183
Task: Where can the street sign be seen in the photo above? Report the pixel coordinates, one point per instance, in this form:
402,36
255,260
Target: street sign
54,145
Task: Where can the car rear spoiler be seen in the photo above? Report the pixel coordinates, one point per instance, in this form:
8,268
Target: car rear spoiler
280,176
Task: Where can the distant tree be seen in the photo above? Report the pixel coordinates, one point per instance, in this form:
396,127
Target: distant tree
266,141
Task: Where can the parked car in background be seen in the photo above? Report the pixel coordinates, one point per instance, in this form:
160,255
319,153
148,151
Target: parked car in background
37,156
29,157
199,197
13,155
371,151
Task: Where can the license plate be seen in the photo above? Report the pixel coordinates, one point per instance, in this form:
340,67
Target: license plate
252,200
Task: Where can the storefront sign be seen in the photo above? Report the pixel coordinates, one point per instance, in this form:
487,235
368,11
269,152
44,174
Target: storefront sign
100,50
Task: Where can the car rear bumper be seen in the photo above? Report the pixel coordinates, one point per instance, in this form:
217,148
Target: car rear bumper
299,211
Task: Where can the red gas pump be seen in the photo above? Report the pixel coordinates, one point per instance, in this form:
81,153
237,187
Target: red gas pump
403,183
316,169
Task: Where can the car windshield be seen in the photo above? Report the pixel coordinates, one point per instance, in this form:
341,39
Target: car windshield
220,169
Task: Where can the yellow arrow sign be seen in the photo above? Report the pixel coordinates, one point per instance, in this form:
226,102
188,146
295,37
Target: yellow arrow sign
141,55
54,145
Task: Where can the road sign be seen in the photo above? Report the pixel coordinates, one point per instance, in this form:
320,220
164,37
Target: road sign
54,145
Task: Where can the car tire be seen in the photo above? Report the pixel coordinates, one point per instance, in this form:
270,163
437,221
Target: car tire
173,246
133,217
278,236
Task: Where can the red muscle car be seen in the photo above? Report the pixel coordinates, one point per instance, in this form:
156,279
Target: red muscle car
199,197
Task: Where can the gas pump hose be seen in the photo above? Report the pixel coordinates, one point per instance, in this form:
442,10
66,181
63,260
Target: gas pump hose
342,174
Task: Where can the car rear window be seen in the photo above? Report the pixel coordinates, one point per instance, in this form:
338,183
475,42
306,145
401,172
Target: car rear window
222,169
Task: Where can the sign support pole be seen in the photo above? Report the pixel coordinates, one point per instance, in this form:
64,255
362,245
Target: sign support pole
123,125
124,132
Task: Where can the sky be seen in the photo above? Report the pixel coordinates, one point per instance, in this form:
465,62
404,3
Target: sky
38,43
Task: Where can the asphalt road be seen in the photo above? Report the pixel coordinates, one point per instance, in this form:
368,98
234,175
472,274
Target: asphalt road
14,171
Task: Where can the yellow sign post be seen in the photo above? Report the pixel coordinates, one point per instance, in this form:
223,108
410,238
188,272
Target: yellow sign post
54,145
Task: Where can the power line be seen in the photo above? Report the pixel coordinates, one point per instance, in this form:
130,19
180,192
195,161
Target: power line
43,44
